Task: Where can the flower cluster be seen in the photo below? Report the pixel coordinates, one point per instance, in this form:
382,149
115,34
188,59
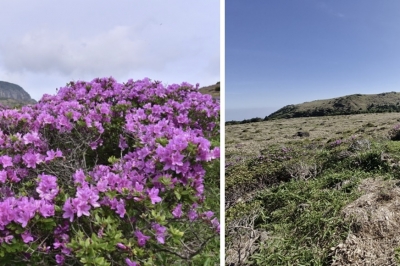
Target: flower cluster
336,143
106,151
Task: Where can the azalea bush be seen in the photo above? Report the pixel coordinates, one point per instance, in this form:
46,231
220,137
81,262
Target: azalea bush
104,173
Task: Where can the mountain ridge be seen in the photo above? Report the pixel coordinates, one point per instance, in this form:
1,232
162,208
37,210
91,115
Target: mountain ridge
344,105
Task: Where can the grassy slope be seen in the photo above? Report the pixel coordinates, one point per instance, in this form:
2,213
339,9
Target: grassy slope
296,188
350,104
213,90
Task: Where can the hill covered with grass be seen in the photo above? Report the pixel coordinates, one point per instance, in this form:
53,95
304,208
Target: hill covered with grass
350,104
213,90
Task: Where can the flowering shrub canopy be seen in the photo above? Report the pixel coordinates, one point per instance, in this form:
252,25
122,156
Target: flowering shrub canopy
104,172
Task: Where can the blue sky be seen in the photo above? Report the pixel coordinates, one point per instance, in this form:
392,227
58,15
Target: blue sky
288,52
45,44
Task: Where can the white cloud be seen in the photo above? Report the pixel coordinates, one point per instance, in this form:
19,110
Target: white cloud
113,52
172,41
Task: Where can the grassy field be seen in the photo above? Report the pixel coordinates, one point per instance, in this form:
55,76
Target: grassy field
313,191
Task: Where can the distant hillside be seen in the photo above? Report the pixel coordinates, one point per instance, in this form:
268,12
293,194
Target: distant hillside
12,95
351,104
213,90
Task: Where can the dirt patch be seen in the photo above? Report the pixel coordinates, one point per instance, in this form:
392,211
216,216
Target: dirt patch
375,218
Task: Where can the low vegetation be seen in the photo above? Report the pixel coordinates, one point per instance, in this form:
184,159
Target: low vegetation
313,191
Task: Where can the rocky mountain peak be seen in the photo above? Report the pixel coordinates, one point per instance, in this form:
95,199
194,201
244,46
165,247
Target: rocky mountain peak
12,94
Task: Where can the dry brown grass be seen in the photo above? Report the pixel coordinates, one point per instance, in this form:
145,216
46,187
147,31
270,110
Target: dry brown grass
253,137
376,220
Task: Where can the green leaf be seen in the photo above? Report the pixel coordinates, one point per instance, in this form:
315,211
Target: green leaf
177,194
111,194
118,236
191,148
175,232
87,243
100,261
166,181
162,141
113,160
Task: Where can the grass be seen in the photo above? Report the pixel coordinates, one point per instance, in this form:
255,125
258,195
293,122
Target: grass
295,189
304,217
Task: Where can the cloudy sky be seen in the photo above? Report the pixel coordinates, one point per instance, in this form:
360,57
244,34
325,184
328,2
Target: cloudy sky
45,44
289,52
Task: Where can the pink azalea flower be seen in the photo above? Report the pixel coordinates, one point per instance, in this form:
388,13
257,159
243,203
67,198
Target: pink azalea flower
142,239
121,246
31,159
177,212
153,194
82,208
26,237
192,214
3,176
208,214
31,138
79,177
121,208
46,209
6,161
69,210
60,259
131,263
160,232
